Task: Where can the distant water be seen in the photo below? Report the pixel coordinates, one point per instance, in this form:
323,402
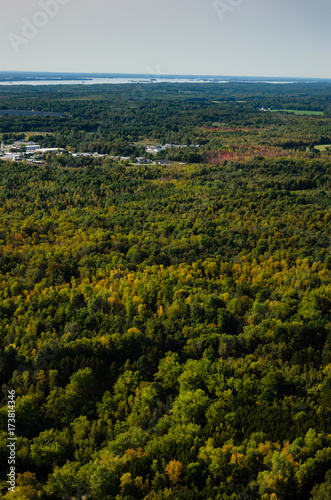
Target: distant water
107,81
10,79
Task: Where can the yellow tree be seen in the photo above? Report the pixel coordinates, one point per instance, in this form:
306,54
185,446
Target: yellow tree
174,470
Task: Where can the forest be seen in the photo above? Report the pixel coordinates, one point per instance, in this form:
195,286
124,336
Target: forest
167,329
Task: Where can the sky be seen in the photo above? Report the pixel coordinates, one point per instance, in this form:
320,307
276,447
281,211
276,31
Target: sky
272,38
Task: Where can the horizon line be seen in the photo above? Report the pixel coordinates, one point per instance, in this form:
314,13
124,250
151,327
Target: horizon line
161,75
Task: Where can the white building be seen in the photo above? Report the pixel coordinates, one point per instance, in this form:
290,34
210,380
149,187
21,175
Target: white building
96,155
31,147
154,149
12,157
49,150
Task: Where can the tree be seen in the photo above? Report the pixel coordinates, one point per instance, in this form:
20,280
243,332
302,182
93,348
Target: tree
174,470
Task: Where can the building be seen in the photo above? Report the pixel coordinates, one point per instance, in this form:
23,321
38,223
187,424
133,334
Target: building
154,149
97,155
12,157
30,148
157,149
49,150
142,160
165,162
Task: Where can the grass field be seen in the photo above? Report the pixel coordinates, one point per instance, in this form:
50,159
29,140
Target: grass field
323,147
298,111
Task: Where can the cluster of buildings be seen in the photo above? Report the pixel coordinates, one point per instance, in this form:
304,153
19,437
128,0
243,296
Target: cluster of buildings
120,158
158,149
32,152
140,160
21,150
95,155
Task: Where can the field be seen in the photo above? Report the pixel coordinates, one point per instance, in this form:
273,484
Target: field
298,112
323,147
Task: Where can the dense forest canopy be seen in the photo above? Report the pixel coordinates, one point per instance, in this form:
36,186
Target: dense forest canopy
167,329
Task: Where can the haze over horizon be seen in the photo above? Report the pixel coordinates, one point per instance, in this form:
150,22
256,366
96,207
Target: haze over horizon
287,39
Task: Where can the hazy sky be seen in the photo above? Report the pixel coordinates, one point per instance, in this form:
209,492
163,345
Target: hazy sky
289,38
